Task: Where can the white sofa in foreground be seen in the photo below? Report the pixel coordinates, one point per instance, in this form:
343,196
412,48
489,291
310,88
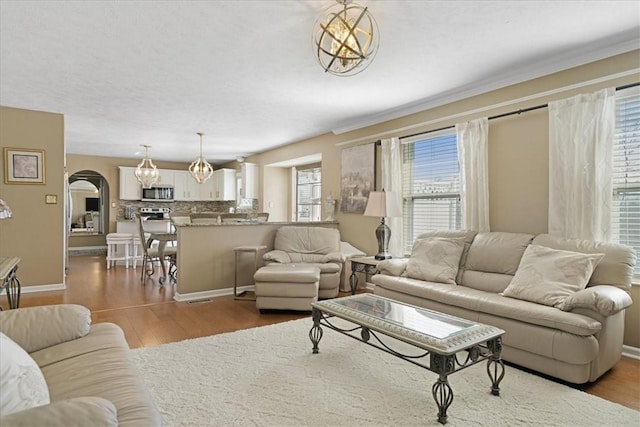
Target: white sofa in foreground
561,304
62,371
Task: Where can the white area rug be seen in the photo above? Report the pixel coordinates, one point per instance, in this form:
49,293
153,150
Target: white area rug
268,377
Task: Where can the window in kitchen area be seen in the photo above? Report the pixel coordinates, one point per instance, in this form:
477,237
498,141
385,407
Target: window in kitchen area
308,193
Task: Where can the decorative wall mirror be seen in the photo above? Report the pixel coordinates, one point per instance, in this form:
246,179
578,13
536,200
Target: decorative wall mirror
88,193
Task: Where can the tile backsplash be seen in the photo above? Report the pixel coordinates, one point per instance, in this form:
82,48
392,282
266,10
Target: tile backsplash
186,206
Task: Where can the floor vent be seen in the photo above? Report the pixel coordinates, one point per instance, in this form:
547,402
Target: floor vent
199,301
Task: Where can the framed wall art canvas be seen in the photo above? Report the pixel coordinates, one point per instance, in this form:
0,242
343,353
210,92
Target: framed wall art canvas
358,177
24,166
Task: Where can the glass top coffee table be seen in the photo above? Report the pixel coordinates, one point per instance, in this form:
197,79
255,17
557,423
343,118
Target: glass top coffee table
447,344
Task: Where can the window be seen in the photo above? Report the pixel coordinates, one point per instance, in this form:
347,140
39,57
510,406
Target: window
431,185
626,171
308,194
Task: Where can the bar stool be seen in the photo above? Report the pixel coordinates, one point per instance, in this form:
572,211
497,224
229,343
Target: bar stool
113,254
255,250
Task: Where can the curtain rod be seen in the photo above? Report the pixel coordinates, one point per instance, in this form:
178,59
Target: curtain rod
511,113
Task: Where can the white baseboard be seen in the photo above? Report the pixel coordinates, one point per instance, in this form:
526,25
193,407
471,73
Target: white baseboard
43,288
210,294
632,352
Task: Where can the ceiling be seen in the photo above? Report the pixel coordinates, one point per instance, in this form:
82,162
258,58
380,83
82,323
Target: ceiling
126,73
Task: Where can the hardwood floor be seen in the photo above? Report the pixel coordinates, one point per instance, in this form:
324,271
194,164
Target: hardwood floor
149,316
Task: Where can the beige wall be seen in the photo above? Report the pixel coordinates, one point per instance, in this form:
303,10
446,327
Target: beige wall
36,231
519,173
632,319
274,200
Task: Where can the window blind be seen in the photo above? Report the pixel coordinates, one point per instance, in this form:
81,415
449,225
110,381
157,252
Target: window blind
309,184
431,185
626,171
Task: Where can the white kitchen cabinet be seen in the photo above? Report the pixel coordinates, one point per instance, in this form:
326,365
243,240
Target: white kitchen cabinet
224,184
185,188
130,188
166,177
249,176
208,190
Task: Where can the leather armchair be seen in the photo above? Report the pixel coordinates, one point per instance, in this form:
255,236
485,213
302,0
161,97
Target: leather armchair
314,246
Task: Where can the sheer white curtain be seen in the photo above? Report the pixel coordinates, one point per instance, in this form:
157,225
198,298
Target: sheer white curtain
392,181
473,157
581,132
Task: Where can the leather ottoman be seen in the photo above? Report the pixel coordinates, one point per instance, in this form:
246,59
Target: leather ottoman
286,287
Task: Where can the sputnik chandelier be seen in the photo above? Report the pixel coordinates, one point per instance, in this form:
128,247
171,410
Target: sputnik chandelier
345,38
146,171
200,169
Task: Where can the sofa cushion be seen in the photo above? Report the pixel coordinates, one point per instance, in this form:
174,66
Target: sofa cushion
99,364
307,240
435,259
466,235
490,282
615,269
65,322
22,385
79,411
497,252
550,276
490,303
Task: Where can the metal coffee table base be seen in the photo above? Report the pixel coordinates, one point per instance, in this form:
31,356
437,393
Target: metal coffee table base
441,364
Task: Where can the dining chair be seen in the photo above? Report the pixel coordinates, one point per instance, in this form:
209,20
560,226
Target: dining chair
151,255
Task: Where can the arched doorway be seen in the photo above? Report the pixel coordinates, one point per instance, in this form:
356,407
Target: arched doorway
88,210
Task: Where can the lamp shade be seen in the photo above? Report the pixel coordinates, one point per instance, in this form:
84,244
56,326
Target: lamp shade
383,204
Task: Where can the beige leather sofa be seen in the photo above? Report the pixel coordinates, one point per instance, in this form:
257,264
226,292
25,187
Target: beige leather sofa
314,247
91,378
577,344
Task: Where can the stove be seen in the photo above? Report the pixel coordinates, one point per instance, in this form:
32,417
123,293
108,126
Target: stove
156,214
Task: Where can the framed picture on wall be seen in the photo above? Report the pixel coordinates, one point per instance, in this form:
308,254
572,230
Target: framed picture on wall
23,166
358,177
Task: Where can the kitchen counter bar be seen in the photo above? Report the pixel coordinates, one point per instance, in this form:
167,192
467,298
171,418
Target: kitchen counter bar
206,260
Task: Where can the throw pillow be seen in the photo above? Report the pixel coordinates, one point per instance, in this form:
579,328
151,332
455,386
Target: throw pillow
435,259
550,276
22,385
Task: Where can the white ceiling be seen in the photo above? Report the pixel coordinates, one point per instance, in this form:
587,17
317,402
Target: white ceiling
126,73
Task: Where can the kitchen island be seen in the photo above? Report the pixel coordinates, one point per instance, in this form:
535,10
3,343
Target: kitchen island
206,260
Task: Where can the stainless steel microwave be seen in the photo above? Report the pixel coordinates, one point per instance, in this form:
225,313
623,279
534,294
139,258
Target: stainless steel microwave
158,193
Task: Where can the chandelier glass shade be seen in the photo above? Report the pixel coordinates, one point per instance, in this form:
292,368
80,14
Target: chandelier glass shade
346,38
200,169
146,171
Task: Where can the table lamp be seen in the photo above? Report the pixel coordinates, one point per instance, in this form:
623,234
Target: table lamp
383,204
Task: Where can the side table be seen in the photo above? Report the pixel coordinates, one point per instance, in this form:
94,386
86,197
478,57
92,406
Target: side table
9,281
367,265
255,250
